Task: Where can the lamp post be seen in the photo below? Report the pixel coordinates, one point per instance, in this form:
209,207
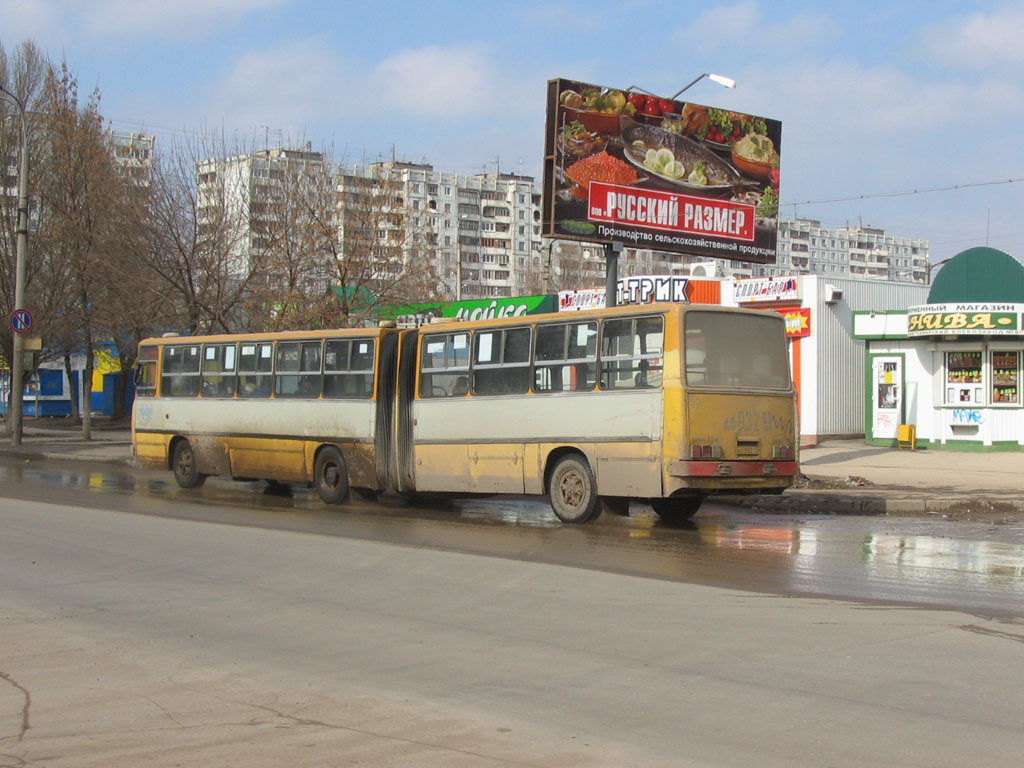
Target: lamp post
726,82
17,367
552,244
458,257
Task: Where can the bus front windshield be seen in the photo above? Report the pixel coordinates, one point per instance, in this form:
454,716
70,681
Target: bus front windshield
735,351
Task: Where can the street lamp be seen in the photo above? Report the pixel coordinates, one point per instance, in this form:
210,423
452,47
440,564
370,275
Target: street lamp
552,244
726,82
458,257
17,366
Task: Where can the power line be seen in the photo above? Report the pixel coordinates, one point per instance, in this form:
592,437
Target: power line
904,194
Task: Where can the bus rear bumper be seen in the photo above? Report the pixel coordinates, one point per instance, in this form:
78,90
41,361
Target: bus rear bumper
733,468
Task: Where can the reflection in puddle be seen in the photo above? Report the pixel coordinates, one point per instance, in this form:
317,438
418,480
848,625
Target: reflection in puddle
762,539
988,558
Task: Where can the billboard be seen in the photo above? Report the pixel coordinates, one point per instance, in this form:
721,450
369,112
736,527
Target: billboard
628,167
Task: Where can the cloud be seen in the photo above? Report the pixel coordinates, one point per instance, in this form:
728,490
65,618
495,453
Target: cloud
563,16
978,41
23,20
285,86
188,18
47,20
743,24
458,81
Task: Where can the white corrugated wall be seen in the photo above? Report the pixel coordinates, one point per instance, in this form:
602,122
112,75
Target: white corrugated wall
837,373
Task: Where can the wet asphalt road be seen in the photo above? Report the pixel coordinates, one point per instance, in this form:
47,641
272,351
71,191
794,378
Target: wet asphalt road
977,568
146,626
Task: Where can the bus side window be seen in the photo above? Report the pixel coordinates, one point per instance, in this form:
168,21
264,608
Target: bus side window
180,375
348,368
631,352
501,361
444,360
565,357
145,371
297,369
219,370
254,369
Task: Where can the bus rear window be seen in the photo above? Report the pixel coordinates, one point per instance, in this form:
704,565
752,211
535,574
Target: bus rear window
735,351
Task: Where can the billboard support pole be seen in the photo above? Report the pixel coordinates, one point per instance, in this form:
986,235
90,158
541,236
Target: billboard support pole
611,275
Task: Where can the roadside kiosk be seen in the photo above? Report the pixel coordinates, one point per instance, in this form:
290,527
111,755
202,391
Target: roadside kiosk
948,373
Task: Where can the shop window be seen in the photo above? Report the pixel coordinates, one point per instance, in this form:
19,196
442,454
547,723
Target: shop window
963,378
1005,377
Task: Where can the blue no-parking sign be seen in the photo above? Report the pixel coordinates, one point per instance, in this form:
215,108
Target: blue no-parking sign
21,320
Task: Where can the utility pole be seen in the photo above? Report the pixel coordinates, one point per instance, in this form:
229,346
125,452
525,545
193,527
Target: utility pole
17,364
611,275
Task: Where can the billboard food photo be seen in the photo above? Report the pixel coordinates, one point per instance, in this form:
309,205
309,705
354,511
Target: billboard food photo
629,167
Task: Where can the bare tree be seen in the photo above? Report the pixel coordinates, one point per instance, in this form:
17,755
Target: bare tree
22,75
294,220
386,249
81,192
197,237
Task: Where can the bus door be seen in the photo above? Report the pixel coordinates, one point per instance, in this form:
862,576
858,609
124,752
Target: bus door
384,434
404,453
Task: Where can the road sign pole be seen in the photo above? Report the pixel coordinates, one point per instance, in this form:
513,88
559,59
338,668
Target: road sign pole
17,367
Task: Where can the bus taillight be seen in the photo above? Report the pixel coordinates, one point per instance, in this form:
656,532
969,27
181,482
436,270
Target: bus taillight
698,451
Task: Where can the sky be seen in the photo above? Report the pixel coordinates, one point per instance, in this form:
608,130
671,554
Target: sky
905,116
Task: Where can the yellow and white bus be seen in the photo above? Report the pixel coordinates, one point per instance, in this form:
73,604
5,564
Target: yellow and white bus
664,403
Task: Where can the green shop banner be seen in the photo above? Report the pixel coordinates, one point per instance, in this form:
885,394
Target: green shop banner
483,309
964,320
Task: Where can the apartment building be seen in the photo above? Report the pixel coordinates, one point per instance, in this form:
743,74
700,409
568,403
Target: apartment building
858,252
133,153
480,230
243,192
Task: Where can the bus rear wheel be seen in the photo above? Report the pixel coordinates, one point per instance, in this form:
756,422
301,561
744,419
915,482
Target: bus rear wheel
330,475
677,509
573,490
183,461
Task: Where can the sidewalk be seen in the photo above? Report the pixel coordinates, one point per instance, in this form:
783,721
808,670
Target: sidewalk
839,476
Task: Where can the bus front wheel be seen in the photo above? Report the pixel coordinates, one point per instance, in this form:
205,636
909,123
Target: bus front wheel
677,509
183,461
573,490
331,475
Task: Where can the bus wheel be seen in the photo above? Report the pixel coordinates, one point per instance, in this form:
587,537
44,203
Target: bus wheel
330,475
677,509
183,460
573,490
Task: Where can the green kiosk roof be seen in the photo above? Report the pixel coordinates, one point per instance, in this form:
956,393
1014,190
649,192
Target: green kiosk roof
979,275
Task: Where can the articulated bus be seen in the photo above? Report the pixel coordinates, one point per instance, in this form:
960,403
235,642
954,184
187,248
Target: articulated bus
664,403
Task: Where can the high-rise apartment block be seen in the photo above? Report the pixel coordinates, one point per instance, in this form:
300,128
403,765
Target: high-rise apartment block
133,153
482,232
859,252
